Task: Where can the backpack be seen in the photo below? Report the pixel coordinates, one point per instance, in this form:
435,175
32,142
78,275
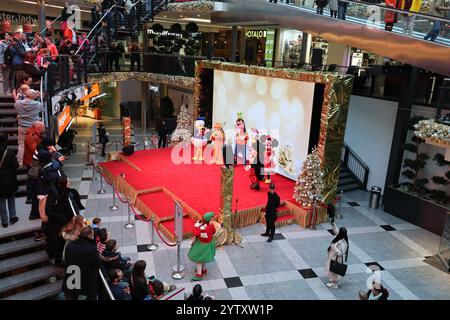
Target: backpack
8,56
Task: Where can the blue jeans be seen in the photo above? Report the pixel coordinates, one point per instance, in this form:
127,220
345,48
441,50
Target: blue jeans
342,10
433,34
11,209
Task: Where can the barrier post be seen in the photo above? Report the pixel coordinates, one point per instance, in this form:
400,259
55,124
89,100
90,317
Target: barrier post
338,214
129,225
313,221
116,145
114,207
93,171
178,273
101,191
152,246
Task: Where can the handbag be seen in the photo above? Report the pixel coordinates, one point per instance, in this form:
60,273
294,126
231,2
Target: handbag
338,268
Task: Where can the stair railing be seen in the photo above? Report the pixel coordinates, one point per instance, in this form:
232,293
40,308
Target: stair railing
105,284
355,166
46,28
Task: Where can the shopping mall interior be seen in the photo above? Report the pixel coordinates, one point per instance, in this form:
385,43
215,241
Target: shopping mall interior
225,150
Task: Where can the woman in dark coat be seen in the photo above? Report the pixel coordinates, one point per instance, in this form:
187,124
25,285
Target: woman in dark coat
102,138
8,182
59,209
139,286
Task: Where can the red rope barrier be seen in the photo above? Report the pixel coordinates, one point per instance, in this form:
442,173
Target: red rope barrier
163,240
118,196
138,215
107,181
98,171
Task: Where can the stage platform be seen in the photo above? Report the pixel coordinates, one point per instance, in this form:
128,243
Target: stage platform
154,182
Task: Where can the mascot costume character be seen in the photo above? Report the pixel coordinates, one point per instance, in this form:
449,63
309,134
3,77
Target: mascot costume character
203,248
269,154
199,139
218,138
240,151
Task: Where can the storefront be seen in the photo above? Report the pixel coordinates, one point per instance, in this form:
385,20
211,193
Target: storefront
288,48
259,47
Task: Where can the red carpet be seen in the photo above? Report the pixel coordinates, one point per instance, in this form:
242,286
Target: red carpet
197,184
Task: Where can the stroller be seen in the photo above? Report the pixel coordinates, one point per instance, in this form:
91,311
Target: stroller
65,141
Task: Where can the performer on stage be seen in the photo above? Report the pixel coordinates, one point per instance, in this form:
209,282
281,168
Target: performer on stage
240,152
269,154
256,167
203,248
273,202
199,139
218,137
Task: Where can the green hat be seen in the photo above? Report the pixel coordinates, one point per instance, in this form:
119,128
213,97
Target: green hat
208,216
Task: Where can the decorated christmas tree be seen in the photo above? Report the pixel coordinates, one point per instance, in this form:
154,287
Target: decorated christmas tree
309,186
183,132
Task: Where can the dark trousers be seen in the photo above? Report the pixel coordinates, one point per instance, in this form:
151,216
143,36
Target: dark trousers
270,226
33,186
116,63
135,59
162,141
333,14
319,10
103,149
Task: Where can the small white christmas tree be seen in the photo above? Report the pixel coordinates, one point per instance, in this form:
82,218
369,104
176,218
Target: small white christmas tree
309,186
183,132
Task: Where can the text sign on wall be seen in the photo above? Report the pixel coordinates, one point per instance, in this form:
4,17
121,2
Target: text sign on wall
256,34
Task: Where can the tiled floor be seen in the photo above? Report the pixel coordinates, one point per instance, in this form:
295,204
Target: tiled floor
291,267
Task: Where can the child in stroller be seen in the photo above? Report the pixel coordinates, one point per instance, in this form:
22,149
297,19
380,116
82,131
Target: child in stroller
65,141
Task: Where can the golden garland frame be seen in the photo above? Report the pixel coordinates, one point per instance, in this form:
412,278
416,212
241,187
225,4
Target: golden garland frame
334,110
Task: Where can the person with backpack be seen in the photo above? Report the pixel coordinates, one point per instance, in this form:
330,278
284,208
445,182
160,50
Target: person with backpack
5,64
8,182
321,4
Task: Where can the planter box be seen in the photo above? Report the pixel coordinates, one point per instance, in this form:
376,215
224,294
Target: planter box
400,204
421,212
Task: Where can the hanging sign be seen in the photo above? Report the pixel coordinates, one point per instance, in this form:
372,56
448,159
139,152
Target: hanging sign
178,221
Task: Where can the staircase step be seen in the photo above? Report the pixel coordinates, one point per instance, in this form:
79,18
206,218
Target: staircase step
23,261
160,203
8,130
27,278
8,121
12,140
9,233
22,191
349,187
347,180
8,112
39,293
7,105
19,245
22,178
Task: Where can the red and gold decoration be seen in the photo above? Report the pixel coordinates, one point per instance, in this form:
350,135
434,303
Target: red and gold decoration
141,76
126,123
199,6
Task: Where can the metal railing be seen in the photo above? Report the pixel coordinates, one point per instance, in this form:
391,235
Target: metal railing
46,28
106,285
378,16
355,166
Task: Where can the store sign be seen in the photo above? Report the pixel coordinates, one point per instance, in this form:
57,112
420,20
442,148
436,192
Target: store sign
18,17
64,120
256,34
165,33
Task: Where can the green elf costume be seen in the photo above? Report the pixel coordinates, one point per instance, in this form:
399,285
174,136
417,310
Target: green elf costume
203,248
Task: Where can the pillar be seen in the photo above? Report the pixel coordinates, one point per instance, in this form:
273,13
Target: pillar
234,43
401,128
338,54
305,56
41,14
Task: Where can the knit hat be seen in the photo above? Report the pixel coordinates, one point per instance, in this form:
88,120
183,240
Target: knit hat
208,216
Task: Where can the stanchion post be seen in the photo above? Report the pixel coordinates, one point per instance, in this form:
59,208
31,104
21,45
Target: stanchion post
152,246
129,224
116,144
313,217
93,171
101,191
178,273
339,215
114,207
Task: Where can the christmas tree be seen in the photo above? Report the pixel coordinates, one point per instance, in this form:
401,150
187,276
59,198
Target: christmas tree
183,132
309,186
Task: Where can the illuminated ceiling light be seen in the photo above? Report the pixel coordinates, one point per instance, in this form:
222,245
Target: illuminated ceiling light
197,20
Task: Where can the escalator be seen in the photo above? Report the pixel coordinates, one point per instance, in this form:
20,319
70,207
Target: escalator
355,31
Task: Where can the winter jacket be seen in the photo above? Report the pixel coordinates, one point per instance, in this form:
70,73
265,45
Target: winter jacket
18,51
83,253
28,112
32,140
8,176
116,263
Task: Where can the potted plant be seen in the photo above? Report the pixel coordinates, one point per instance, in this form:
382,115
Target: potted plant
414,201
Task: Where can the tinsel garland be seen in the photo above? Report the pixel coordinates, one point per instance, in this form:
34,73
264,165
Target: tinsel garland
192,6
434,131
142,76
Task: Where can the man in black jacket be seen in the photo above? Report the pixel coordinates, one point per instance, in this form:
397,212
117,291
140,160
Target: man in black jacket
273,202
82,266
162,134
